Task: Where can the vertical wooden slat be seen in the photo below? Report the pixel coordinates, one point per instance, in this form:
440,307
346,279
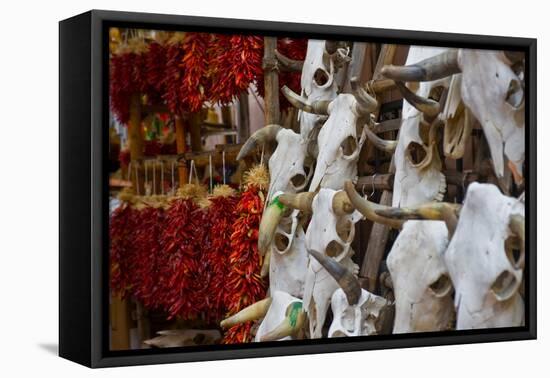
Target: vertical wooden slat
243,126
271,82
181,148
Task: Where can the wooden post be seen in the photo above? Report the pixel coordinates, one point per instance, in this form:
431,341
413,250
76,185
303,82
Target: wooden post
181,148
379,233
271,82
243,126
195,121
120,323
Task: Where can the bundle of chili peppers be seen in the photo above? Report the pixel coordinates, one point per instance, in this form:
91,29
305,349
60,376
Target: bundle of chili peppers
244,283
221,216
121,229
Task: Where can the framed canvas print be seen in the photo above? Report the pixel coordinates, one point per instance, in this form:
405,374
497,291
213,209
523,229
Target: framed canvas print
234,188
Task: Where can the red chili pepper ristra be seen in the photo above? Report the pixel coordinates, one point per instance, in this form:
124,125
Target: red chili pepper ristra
244,285
121,230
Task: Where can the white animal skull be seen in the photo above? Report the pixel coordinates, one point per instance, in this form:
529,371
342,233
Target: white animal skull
485,273
495,95
421,283
355,311
418,176
491,89
422,289
330,232
283,317
288,264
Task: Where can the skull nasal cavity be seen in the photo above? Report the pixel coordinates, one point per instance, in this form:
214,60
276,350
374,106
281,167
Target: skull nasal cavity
334,249
349,145
416,153
320,77
298,180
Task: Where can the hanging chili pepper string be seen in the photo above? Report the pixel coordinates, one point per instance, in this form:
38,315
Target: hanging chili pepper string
223,165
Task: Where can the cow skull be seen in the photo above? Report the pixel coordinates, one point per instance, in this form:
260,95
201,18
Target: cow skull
330,232
283,317
480,257
481,262
491,89
318,81
418,176
355,310
422,288
341,137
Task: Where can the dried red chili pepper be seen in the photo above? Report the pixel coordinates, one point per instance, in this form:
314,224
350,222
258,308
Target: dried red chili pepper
121,251
244,286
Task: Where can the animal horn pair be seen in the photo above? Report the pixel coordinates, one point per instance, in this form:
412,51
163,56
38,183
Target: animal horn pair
341,204
293,322
289,64
264,135
253,312
320,107
444,211
347,281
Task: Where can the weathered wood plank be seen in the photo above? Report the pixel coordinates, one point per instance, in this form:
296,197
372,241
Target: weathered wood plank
271,82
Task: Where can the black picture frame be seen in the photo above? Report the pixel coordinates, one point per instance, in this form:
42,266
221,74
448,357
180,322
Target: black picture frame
83,196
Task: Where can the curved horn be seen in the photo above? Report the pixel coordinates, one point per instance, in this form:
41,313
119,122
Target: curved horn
341,205
347,281
425,105
447,212
435,67
264,135
292,323
368,208
270,220
264,272
317,107
300,201
381,144
288,64
365,104
517,226
253,312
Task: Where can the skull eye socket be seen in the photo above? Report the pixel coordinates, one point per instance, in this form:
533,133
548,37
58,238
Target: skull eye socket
515,94
349,145
334,249
416,153
281,241
505,286
321,77
298,180
514,254
442,286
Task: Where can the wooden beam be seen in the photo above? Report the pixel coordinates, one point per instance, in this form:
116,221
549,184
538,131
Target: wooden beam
377,182
195,121
271,82
389,125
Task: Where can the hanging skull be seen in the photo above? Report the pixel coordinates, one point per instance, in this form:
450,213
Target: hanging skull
421,284
485,257
289,169
418,176
319,83
491,88
341,137
283,317
355,311
288,257
330,232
